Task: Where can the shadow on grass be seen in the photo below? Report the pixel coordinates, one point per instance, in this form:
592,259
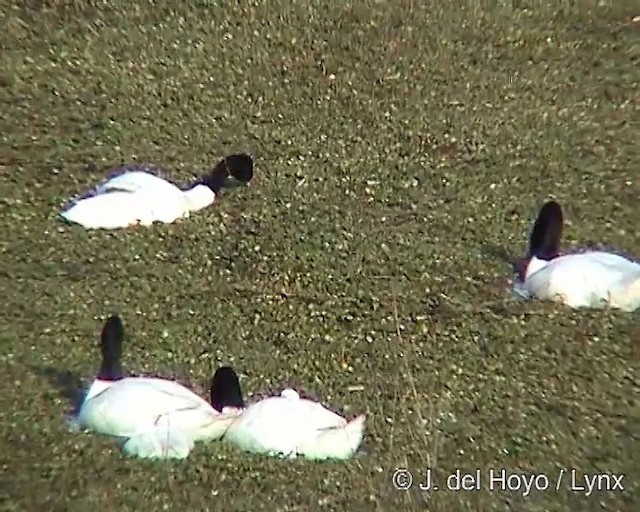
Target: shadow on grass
66,382
500,254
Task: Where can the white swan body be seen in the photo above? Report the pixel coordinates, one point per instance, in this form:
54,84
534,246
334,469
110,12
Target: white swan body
137,197
585,280
589,279
155,418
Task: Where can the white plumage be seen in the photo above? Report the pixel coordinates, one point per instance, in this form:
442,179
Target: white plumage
136,198
591,280
290,426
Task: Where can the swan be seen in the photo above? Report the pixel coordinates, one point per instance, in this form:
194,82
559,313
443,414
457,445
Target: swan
155,418
136,196
586,279
285,425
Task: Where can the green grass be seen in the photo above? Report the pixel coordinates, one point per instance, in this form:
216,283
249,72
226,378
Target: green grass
398,144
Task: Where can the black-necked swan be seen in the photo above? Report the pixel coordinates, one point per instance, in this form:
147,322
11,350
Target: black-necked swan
285,425
589,279
136,196
155,418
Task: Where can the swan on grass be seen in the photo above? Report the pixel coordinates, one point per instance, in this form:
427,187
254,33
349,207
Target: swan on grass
285,425
155,418
588,279
136,196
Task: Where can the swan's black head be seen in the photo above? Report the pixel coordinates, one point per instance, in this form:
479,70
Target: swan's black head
544,242
225,389
111,348
238,166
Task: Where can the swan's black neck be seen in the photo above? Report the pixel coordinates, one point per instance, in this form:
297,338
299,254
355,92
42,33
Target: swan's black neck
544,242
111,347
215,181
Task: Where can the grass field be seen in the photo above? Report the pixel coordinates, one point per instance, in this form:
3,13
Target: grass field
402,151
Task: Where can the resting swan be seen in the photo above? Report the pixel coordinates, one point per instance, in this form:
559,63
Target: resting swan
154,418
284,425
136,196
590,279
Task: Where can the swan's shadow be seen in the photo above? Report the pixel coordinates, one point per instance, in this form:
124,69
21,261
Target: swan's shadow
501,255
68,384
498,253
